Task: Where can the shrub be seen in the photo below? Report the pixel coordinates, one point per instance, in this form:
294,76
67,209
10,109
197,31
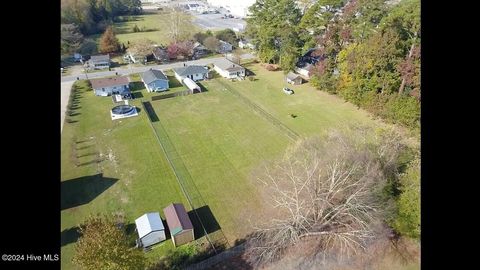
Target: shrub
271,67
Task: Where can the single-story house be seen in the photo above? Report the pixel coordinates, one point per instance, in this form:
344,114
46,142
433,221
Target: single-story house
228,69
108,86
245,43
293,78
181,228
160,54
224,47
199,50
99,61
304,70
190,84
155,80
196,73
150,229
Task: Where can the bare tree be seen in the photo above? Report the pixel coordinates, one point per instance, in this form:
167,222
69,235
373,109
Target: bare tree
326,189
178,25
211,43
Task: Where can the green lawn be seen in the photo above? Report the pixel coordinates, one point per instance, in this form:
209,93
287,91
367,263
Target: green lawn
158,23
218,142
133,179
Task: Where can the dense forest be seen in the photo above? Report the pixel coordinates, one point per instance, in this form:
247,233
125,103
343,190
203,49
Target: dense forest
368,50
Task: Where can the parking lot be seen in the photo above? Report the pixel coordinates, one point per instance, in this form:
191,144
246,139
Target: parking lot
215,22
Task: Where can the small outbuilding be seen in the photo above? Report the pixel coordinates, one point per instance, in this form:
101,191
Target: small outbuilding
190,84
293,78
181,228
150,229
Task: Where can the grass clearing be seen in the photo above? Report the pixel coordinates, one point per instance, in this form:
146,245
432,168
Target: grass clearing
156,23
119,166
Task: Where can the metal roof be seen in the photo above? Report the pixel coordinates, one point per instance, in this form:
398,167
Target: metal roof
100,58
177,218
148,223
190,70
228,65
109,82
153,75
292,76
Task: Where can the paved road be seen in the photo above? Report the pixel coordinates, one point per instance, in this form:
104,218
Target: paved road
127,71
65,94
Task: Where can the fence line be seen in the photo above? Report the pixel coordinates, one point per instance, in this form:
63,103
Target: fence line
183,177
227,254
290,133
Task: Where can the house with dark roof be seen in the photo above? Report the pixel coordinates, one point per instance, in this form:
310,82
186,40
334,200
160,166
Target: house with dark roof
154,80
99,61
294,78
228,69
160,54
108,86
181,228
195,73
199,50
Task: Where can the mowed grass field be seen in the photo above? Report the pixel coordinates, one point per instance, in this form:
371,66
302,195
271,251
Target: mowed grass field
133,178
156,23
220,140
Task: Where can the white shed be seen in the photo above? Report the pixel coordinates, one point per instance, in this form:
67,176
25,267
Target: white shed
192,85
150,229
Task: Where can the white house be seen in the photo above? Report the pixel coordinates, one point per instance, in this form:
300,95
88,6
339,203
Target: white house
99,62
150,229
196,73
228,69
108,86
243,44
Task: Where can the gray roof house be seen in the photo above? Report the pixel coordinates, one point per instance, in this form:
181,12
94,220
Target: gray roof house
224,47
294,78
228,69
99,61
195,73
155,80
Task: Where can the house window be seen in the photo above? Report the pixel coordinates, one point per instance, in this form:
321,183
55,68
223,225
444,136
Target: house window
103,89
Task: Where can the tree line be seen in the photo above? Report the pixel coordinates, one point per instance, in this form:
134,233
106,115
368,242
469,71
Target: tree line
93,16
368,50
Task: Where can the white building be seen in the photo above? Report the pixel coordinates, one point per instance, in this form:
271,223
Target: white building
236,7
150,229
228,69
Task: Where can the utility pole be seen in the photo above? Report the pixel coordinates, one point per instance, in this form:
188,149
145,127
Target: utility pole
84,69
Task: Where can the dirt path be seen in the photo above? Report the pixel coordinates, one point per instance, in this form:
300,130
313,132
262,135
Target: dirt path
66,87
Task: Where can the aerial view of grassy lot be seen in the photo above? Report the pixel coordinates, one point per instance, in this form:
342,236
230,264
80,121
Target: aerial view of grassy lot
156,24
219,140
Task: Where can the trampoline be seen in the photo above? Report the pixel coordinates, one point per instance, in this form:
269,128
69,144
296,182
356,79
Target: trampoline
123,111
